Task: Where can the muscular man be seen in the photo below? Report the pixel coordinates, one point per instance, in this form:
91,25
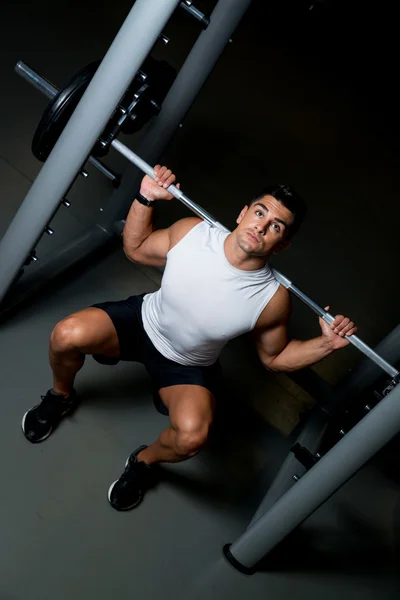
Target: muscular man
216,286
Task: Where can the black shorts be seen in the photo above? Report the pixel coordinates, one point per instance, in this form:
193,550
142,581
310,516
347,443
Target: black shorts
135,345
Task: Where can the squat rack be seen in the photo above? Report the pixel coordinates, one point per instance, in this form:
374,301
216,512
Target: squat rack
136,39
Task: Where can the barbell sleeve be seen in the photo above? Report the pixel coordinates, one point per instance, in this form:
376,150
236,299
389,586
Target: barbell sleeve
50,90
198,210
39,82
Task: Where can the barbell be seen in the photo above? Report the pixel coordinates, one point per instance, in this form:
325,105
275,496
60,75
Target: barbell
136,160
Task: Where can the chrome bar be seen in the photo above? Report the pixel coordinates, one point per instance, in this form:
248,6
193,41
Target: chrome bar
143,166
39,82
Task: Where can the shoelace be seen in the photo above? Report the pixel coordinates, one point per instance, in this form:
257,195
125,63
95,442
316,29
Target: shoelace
49,408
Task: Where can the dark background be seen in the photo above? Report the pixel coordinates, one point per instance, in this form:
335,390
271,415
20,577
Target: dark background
304,97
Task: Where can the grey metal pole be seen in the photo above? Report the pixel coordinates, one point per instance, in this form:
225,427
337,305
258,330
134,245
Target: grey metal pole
193,74
310,437
318,484
132,44
313,430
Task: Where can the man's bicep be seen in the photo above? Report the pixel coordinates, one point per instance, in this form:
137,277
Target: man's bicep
271,341
271,334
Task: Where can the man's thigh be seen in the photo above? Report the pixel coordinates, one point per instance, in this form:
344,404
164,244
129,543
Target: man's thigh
189,406
89,330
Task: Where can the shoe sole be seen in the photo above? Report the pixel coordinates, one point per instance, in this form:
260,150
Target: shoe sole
110,489
48,434
127,507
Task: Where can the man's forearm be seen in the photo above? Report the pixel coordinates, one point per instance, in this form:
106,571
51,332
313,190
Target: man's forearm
138,226
298,355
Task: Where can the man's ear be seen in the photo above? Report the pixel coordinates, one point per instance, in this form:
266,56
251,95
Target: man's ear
240,217
284,245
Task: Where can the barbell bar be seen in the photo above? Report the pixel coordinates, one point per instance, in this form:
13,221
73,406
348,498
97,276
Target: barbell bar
46,87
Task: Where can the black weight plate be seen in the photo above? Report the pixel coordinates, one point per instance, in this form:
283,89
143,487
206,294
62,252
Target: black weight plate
160,77
59,110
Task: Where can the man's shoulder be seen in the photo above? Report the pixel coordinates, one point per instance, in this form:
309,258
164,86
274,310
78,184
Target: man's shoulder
277,311
181,228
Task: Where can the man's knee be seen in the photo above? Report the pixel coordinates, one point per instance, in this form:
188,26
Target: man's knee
67,335
191,436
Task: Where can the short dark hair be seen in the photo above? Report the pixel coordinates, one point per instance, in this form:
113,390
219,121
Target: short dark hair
286,195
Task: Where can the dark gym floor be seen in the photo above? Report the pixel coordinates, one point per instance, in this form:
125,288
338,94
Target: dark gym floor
288,101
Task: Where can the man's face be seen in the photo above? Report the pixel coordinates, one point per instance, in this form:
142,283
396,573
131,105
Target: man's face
263,227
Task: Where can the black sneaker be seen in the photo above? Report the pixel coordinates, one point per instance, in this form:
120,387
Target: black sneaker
128,491
39,422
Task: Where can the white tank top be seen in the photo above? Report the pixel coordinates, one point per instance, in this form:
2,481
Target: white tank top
204,301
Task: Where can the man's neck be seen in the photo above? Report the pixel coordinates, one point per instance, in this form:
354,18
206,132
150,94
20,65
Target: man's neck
239,259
